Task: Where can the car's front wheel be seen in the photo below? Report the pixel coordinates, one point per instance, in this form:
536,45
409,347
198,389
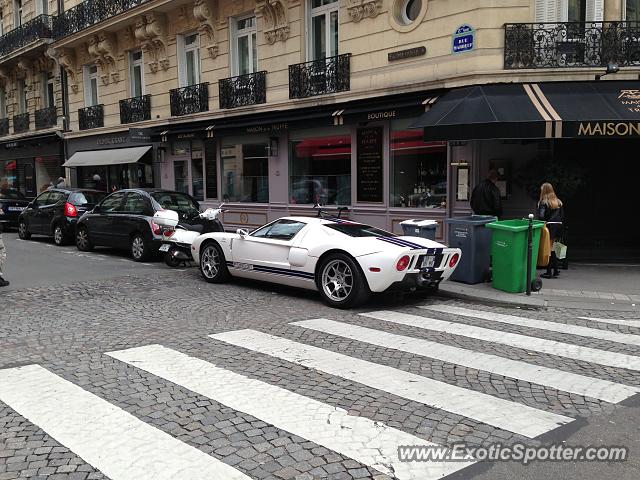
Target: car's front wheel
213,265
23,231
140,250
82,240
341,282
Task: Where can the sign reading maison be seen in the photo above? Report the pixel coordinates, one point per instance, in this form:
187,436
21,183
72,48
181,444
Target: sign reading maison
609,129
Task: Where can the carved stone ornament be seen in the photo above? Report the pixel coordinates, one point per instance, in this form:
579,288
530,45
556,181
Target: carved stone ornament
4,77
24,71
275,14
66,58
151,32
102,51
203,12
359,9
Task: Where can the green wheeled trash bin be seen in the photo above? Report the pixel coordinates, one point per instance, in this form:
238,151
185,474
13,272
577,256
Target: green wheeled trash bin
509,253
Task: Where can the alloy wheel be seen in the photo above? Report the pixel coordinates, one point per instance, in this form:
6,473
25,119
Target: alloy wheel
82,239
22,230
58,236
137,248
337,280
210,261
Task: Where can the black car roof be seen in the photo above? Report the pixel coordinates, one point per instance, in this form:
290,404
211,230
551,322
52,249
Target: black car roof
73,190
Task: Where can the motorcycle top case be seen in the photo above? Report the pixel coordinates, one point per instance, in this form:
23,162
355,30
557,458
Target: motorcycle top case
166,218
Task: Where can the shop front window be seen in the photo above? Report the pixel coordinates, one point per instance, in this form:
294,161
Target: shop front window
418,170
29,176
320,170
245,172
181,176
632,10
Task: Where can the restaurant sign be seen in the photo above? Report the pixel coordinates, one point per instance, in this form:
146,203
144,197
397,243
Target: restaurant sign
609,129
370,165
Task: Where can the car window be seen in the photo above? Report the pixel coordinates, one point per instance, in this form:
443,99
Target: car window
42,199
359,230
135,203
178,202
280,230
55,197
112,203
11,194
83,198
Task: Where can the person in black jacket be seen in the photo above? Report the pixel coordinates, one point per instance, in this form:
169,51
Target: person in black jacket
550,210
485,198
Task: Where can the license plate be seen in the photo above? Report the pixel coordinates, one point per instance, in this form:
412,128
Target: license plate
429,261
165,247
16,209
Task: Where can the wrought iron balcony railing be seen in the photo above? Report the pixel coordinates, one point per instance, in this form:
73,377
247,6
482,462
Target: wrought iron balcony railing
91,117
89,13
21,122
571,44
326,75
188,100
37,28
135,109
46,117
250,89
4,126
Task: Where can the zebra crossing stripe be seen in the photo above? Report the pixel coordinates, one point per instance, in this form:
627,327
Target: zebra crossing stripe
535,344
368,442
504,414
105,436
613,321
541,324
549,377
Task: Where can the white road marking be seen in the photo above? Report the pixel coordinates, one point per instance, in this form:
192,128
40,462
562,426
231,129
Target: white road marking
549,377
371,443
505,414
105,436
540,324
629,323
535,344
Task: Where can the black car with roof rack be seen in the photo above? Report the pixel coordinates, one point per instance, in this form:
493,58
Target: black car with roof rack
55,213
124,220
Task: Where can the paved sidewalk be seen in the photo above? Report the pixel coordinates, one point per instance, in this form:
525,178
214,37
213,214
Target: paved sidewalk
596,287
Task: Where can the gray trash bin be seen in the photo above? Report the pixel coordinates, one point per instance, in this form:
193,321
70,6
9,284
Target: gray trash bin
420,228
470,235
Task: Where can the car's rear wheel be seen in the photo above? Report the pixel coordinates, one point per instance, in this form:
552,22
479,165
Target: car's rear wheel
82,240
213,265
341,282
140,250
23,231
58,236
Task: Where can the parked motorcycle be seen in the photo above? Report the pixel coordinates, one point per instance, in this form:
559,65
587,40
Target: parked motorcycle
177,237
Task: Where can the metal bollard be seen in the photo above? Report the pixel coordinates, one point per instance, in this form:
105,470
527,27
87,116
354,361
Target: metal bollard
529,252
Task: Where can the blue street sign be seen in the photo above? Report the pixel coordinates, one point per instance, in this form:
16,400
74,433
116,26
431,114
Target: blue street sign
464,39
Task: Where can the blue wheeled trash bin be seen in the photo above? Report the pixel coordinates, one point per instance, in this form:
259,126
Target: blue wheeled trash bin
420,228
470,235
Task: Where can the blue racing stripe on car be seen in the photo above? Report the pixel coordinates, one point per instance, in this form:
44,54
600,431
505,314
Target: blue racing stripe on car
273,270
401,243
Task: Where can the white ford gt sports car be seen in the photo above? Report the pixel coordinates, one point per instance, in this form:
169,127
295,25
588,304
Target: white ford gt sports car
345,261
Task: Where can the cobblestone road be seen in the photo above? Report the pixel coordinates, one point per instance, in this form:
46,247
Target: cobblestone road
93,373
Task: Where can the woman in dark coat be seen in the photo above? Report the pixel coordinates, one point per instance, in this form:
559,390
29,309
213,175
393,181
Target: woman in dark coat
550,210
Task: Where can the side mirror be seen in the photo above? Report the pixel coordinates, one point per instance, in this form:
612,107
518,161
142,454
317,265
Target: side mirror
96,209
242,232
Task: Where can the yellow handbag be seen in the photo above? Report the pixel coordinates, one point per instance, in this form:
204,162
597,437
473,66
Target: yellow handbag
544,251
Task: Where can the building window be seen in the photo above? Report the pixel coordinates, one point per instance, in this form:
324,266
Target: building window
42,7
320,169
136,72
245,172
3,103
576,10
1,22
17,13
418,169
22,97
49,90
188,171
90,85
632,10
189,52
244,46
323,28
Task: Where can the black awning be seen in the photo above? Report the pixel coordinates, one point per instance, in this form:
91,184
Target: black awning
606,109
486,112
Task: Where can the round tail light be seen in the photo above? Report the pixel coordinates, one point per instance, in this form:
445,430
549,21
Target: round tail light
403,263
454,260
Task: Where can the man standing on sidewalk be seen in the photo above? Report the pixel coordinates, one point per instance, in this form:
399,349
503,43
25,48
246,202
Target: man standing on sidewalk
3,258
486,198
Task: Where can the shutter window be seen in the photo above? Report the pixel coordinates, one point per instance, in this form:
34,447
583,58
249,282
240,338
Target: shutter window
547,11
595,10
